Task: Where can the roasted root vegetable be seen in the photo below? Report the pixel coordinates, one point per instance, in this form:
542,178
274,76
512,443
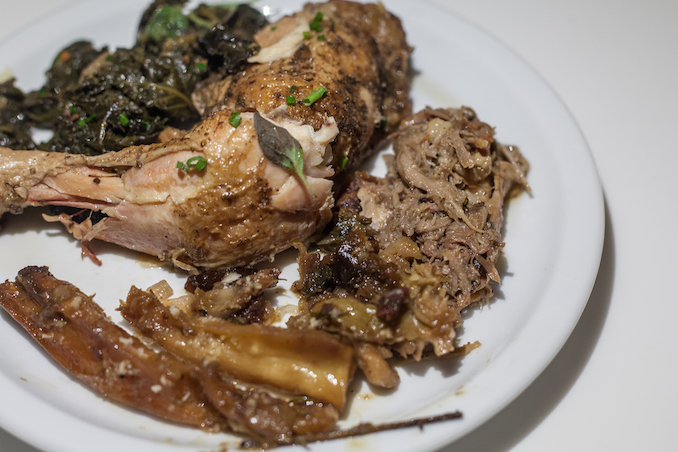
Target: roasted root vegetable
78,334
303,362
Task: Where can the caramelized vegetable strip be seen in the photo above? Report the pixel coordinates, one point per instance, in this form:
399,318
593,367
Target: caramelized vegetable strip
256,412
76,332
306,362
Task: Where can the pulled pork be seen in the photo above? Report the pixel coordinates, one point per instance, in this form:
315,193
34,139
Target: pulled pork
410,251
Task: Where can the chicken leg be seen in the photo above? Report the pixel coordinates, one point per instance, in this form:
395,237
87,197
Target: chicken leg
241,207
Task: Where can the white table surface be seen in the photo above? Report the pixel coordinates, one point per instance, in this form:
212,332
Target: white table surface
614,63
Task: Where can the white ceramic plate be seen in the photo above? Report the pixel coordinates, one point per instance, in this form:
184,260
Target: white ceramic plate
553,245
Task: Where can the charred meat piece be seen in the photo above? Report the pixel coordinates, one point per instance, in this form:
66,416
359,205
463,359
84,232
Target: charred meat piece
212,197
302,362
76,332
236,296
410,251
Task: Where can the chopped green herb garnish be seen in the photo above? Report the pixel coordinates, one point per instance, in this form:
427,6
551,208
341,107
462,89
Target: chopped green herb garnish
293,88
197,163
321,37
290,100
147,125
235,119
200,66
307,35
274,28
87,120
124,120
343,163
314,96
315,25
382,123
72,109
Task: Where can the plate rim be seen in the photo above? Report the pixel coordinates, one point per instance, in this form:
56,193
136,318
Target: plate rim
435,436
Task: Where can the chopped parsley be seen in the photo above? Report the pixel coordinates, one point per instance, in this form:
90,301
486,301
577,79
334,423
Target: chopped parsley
290,100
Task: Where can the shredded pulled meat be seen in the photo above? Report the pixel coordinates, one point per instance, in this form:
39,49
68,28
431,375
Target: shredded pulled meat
410,251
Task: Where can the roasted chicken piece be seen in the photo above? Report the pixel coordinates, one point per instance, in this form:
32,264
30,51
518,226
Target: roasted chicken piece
242,206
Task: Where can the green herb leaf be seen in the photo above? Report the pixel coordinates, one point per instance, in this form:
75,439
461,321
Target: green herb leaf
307,35
199,21
321,37
124,120
315,25
295,162
200,66
280,147
343,163
166,22
290,100
87,120
235,119
314,96
198,163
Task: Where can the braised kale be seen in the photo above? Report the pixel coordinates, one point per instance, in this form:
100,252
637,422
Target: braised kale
96,100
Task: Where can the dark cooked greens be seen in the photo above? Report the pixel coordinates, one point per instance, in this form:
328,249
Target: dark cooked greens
15,127
96,100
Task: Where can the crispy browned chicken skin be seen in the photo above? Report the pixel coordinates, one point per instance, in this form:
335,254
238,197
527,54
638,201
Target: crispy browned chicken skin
241,208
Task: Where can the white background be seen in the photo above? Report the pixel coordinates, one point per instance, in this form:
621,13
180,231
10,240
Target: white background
614,385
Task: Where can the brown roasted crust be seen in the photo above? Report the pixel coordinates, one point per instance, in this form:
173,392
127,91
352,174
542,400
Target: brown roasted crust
362,61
